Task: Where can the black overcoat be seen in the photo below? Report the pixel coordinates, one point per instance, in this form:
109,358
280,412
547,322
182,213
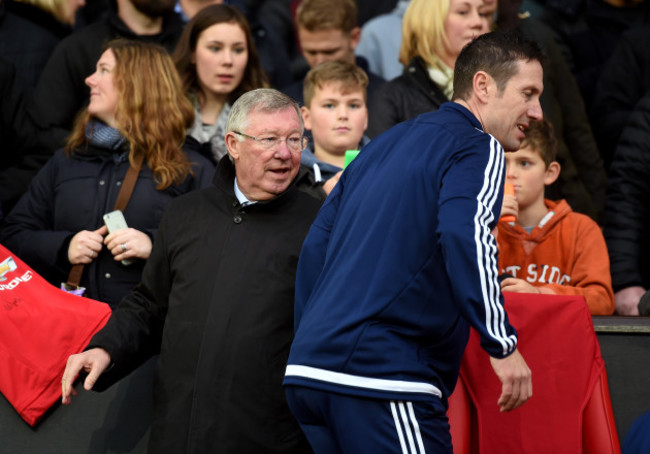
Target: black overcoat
217,299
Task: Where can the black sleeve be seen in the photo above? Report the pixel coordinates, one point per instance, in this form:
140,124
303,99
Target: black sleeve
620,86
22,153
134,332
61,91
383,110
627,207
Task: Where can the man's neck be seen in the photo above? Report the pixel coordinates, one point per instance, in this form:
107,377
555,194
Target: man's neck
138,23
532,215
473,107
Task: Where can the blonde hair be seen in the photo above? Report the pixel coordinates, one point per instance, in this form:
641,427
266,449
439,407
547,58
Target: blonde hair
423,31
152,111
349,75
314,15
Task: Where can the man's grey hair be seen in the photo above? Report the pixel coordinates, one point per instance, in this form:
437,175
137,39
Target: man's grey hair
267,100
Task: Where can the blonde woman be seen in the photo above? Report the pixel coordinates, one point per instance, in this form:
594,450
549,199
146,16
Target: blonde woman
433,34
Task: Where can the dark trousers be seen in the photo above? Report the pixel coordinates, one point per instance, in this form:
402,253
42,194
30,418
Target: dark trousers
338,423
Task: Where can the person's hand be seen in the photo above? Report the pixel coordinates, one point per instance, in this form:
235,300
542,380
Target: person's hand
329,184
85,246
627,300
516,381
515,285
510,206
94,361
128,244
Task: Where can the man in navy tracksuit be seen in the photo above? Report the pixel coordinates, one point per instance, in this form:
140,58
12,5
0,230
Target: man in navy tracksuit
400,262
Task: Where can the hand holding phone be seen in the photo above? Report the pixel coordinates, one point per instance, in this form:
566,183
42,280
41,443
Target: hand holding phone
115,221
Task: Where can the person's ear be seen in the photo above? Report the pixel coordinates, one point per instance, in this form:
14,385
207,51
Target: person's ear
552,173
306,118
233,145
482,85
355,37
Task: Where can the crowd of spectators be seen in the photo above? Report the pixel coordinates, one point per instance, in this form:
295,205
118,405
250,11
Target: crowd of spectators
396,57
596,79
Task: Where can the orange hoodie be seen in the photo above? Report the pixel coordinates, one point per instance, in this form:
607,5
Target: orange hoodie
565,254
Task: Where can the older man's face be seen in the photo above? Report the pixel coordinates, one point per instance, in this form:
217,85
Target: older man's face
264,173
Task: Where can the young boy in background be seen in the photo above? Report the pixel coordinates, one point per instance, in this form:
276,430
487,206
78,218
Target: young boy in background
549,249
335,112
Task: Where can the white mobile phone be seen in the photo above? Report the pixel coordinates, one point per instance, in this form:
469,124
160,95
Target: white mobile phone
115,221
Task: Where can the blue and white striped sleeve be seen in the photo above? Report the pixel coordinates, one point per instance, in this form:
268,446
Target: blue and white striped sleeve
470,202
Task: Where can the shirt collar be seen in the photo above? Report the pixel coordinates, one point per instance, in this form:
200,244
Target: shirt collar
241,197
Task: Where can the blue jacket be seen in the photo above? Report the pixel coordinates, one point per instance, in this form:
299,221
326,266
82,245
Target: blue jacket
401,261
381,39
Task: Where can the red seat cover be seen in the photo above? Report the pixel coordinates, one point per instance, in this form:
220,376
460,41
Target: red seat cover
557,340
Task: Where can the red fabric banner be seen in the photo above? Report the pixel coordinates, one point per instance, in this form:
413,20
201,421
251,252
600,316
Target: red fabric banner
40,326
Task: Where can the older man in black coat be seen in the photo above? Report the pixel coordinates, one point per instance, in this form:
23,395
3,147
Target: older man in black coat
216,297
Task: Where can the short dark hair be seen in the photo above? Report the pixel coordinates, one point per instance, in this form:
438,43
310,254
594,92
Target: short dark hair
540,136
498,54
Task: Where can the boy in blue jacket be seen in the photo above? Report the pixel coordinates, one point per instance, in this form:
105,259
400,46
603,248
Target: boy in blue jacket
336,114
400,262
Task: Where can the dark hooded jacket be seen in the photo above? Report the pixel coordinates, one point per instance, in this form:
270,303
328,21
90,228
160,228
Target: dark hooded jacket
21,151
623,82
28,36
627,207
405,97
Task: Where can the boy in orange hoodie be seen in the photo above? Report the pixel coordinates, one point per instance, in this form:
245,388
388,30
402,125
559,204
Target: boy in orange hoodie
549,249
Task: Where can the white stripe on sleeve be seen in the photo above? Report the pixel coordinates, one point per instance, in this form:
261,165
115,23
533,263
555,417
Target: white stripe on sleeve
486,248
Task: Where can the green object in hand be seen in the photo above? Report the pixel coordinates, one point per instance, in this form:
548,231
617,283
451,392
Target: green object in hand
349,157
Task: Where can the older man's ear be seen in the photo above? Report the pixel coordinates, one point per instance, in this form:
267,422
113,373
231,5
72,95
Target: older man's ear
232,144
